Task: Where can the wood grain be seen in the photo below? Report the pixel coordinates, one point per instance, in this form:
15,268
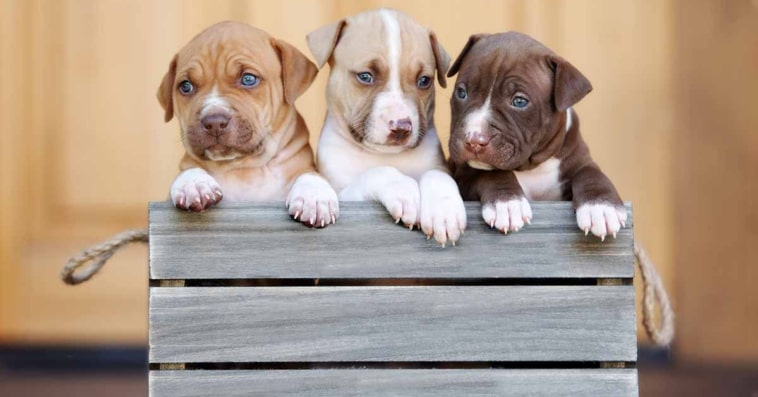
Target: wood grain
419,323
260,241
443,382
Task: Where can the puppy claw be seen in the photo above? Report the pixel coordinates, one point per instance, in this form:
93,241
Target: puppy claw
397,221
586,231
297,214
443,245
334,219
614,235
410,227
453,243
322,223
428,236
602,238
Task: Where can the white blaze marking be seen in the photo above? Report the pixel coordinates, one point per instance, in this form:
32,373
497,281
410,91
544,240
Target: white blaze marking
478,119
541,182
213,102
394,44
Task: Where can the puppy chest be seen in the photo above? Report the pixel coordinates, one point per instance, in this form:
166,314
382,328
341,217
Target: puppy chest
542,182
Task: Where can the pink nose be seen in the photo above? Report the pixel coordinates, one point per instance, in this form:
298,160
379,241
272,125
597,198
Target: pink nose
476,141
215,124
400,130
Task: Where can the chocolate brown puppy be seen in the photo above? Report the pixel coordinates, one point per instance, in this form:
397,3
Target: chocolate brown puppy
515,138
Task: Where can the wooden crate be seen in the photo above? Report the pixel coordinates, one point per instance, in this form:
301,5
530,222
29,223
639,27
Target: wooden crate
244,301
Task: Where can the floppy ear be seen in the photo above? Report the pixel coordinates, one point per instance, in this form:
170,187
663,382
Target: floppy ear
441,59
323,40
166,91
298,71
470,43
569,85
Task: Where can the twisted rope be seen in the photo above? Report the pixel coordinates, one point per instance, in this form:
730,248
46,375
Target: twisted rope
98,255
653,291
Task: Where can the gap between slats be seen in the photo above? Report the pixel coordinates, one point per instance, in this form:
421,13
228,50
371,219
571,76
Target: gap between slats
361,365
390,282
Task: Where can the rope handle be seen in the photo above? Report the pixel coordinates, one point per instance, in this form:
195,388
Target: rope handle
653,290
98,255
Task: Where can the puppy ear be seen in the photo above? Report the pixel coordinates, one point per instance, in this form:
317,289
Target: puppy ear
470,43
166,91
569,85
323,40
441,59
298,71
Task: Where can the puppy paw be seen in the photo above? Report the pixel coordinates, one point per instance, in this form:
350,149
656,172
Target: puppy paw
601,219
510,215
442,213
195,190
312,201
401,197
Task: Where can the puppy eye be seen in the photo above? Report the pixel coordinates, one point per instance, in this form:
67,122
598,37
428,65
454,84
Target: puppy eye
365,78
186,87
520,102
461,93
424,82
249,80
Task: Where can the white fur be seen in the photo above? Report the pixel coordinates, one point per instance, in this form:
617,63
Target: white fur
398,193
195,189
541,182
568,119
601,219
443,214
480,165
478,120
508,215
313,201
391,104
214,102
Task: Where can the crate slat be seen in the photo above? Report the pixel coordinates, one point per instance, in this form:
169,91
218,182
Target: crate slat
238,241
417,323
437,382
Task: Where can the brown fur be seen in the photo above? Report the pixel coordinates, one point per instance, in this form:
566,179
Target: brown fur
522,139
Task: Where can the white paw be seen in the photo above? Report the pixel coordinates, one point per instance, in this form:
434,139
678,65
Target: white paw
195,190
401,197
601,219
443,214
508,215
313,201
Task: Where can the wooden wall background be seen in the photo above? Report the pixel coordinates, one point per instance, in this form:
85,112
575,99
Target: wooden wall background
672,120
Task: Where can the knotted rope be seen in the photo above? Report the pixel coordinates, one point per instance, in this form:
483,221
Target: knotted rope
653,290
98,255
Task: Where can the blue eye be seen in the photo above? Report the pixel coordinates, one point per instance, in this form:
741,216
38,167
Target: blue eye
365,78
520,102
249,80
186,88
461,93
424,82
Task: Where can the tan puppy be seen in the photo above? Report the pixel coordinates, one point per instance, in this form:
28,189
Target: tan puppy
379,141
233,89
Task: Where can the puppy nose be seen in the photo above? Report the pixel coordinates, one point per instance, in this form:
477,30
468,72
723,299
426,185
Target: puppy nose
400,130
215,124
476,141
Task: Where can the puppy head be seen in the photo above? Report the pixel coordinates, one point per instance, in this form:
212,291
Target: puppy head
510,100
230,88
382,76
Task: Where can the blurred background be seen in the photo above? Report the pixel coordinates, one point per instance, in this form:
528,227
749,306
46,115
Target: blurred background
673,120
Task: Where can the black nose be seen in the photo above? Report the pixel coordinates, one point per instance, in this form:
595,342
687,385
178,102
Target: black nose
215,124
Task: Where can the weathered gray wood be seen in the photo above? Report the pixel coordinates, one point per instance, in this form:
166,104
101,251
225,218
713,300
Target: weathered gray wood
418,323
261,241
439,382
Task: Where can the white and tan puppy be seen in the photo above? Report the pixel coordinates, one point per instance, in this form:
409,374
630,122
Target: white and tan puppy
379,141
233,89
